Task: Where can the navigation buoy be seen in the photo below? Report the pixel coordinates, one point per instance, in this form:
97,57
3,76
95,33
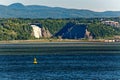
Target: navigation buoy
35,61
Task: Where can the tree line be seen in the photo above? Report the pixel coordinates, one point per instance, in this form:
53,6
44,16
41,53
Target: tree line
20,29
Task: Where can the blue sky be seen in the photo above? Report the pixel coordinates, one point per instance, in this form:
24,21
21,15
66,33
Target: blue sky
95,5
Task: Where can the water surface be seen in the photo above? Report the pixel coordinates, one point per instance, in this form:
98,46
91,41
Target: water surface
60,61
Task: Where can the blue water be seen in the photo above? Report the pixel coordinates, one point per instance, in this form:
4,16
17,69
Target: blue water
77,61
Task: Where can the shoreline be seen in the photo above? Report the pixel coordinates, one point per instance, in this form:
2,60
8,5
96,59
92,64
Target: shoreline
45,41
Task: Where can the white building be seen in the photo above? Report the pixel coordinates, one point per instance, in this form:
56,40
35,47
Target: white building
111,23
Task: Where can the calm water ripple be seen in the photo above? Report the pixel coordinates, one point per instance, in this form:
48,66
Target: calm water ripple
60,61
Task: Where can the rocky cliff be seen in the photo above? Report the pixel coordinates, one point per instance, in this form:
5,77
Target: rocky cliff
40,32
46,33
73,31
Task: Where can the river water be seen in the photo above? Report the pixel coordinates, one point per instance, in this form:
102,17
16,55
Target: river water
60,61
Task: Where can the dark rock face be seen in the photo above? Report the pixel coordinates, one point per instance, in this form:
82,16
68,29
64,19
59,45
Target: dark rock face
72,31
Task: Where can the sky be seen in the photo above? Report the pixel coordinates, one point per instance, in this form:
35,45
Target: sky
95,5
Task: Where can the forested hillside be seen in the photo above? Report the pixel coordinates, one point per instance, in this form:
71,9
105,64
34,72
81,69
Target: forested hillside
18,10
20,29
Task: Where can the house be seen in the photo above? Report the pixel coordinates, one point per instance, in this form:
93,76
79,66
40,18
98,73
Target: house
111,23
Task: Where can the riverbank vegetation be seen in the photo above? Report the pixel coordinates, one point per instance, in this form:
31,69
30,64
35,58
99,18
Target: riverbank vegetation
20,29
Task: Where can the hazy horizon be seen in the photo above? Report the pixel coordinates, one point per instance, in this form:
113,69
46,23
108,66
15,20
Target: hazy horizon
94,5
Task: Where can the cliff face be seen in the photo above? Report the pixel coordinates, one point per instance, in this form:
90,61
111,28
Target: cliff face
88,35
69,31
40,32
73,31
46,33
36,31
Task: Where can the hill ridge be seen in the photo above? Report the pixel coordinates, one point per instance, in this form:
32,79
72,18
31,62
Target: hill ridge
18,10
